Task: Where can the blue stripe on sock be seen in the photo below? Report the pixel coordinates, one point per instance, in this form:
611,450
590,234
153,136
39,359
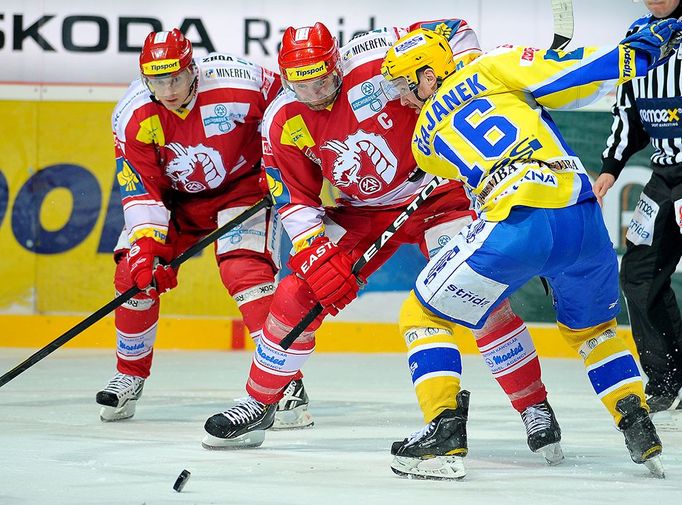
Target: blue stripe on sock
435,359
612,372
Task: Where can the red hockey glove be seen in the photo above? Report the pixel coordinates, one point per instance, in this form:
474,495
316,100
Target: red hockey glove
144,268
327,270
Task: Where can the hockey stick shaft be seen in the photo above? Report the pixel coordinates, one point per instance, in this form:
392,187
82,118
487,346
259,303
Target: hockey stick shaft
562,12
371,251
124,297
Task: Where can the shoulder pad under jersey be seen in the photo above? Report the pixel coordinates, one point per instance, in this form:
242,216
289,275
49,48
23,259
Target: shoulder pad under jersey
218,69
135,98
282,102
366,47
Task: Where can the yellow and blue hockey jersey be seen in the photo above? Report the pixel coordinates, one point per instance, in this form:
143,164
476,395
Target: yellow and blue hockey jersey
492,113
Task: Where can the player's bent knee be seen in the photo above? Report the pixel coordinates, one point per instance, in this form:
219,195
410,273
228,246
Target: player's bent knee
585,341
415,321
242,270
142,301
250,279
293,299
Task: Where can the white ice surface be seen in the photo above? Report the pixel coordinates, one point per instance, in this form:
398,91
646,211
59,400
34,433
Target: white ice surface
54,449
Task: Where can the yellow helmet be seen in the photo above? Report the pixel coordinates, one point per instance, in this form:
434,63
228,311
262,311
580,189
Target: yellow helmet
423,48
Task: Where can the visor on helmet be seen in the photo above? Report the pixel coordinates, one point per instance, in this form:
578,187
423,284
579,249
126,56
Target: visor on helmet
175,81
396,88
315,91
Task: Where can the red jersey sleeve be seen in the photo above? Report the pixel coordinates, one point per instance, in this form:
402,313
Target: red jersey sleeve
141,180
295,181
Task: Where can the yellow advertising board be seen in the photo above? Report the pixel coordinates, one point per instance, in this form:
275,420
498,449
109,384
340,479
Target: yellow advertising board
60,216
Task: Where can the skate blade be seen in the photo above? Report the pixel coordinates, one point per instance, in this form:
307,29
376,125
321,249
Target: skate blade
667,420
435,468
294,419
552,453
111,414
247,441
655,466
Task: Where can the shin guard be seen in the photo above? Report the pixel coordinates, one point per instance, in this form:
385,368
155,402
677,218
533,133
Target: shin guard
136,323
509,352
433,358
273,367
610,366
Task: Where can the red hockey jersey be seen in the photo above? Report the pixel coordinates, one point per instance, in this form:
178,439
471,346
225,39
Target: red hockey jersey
197,160
361,143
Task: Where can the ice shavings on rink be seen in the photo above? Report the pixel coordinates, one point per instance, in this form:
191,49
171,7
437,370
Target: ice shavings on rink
55,450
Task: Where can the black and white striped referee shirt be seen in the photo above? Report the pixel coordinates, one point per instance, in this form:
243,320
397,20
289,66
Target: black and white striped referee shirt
647,109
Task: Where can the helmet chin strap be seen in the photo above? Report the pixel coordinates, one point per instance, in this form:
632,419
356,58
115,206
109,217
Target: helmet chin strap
193,87
422,100
192,92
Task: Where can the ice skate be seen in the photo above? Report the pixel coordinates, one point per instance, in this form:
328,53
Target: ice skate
640,434
240,427
543,431
665,412
437,451
119,397
292,410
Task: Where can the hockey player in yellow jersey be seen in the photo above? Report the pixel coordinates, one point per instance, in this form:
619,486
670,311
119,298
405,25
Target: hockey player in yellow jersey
483,121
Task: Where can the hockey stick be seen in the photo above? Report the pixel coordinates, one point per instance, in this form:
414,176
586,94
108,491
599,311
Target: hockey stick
562,12
124,297
366,257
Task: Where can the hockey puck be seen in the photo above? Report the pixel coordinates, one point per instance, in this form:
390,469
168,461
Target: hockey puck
181,480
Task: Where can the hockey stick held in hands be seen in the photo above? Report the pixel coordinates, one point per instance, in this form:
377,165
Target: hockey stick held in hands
562,12
265,203
366,257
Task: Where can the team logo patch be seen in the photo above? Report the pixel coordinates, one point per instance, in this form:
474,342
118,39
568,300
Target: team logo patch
128,179
194,168
369,185
221,118
367,99
363,160
474,230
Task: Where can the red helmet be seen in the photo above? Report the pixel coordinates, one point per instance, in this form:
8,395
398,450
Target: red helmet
165,53
307,53
309,64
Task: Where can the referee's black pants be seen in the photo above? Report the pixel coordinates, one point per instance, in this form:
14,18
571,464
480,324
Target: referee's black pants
645,279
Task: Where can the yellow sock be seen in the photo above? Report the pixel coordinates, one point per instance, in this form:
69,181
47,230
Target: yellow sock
610,365
433,357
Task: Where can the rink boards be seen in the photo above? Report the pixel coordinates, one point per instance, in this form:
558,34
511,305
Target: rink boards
225,335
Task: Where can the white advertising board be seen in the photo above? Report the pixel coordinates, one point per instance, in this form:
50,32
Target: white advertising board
80,41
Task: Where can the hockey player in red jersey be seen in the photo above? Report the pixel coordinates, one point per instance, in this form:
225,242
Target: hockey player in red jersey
188,155
335,122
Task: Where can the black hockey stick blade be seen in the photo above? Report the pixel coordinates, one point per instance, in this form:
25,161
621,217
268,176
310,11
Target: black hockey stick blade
562,12
366,256
124,297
